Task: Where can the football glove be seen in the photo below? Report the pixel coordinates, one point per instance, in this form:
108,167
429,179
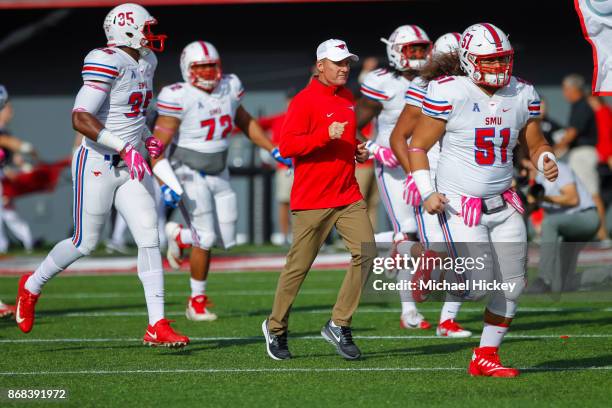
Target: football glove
277,156
171,198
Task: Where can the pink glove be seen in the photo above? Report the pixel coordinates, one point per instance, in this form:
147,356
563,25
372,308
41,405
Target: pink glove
386,157
154,146
382,154
514,200
471,210
136,164
411,192
2,156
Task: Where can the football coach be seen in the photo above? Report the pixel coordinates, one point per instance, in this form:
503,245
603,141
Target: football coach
319,133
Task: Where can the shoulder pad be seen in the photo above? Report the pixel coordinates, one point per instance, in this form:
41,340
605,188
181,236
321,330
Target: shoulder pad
444,79
170,100
522,81
101,64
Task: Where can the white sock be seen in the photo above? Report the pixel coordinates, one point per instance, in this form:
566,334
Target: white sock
492,335
404,276
334,324
63,254
185,236
408,307
405,246
151,275
449,311
382,237
198,287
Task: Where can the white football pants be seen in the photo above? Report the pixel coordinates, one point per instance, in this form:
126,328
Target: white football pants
500,241
391,186
212,205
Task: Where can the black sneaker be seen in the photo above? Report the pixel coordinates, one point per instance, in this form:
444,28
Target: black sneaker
342,338
275,345
538,286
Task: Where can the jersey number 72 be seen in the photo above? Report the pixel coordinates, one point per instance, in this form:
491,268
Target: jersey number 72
225,121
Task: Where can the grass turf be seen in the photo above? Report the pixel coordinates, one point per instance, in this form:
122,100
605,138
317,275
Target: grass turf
226,364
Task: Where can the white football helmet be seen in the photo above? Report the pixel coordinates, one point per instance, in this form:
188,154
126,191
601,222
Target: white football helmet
446,44
130,25
200,53
3,96
398,47
481,42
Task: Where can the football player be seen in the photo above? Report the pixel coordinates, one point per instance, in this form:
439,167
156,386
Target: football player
202,111
481,115
109,168
383,92
16,149
429,230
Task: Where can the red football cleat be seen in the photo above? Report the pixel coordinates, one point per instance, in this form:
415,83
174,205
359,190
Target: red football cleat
450,328
24,305
197,309
162,335
6,310
485,362
422,276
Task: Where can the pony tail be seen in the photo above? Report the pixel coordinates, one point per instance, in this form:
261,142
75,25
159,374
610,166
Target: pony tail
446,64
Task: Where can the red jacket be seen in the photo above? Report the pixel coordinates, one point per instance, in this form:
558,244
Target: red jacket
324,168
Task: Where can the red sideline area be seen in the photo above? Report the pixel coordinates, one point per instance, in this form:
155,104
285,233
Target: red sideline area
11,266
26,4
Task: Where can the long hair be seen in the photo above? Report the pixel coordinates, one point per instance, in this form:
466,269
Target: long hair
446,64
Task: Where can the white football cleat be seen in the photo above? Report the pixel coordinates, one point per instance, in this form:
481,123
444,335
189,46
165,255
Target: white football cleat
197,311
414,320
450,328
174,254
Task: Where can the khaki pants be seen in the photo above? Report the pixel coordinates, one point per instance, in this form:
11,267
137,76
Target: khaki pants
369,190
310,228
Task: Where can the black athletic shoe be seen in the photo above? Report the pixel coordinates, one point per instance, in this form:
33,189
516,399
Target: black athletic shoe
342,338
538,286
276,345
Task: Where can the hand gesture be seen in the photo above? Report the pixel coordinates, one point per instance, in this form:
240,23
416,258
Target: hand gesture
551,171
336,129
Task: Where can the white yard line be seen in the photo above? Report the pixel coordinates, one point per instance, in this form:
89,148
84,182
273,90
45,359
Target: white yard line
282,370
114,295
318,338
327,311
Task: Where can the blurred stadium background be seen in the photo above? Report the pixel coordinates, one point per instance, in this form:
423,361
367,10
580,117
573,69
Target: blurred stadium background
269,46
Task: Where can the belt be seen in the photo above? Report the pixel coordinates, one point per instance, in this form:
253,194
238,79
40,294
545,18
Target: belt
494,204
114,159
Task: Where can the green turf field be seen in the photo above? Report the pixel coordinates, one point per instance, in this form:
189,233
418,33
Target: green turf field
87,340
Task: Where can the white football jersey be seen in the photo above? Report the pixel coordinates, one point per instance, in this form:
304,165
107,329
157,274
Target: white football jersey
124,110
387,88
207,119
481,132
414,97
